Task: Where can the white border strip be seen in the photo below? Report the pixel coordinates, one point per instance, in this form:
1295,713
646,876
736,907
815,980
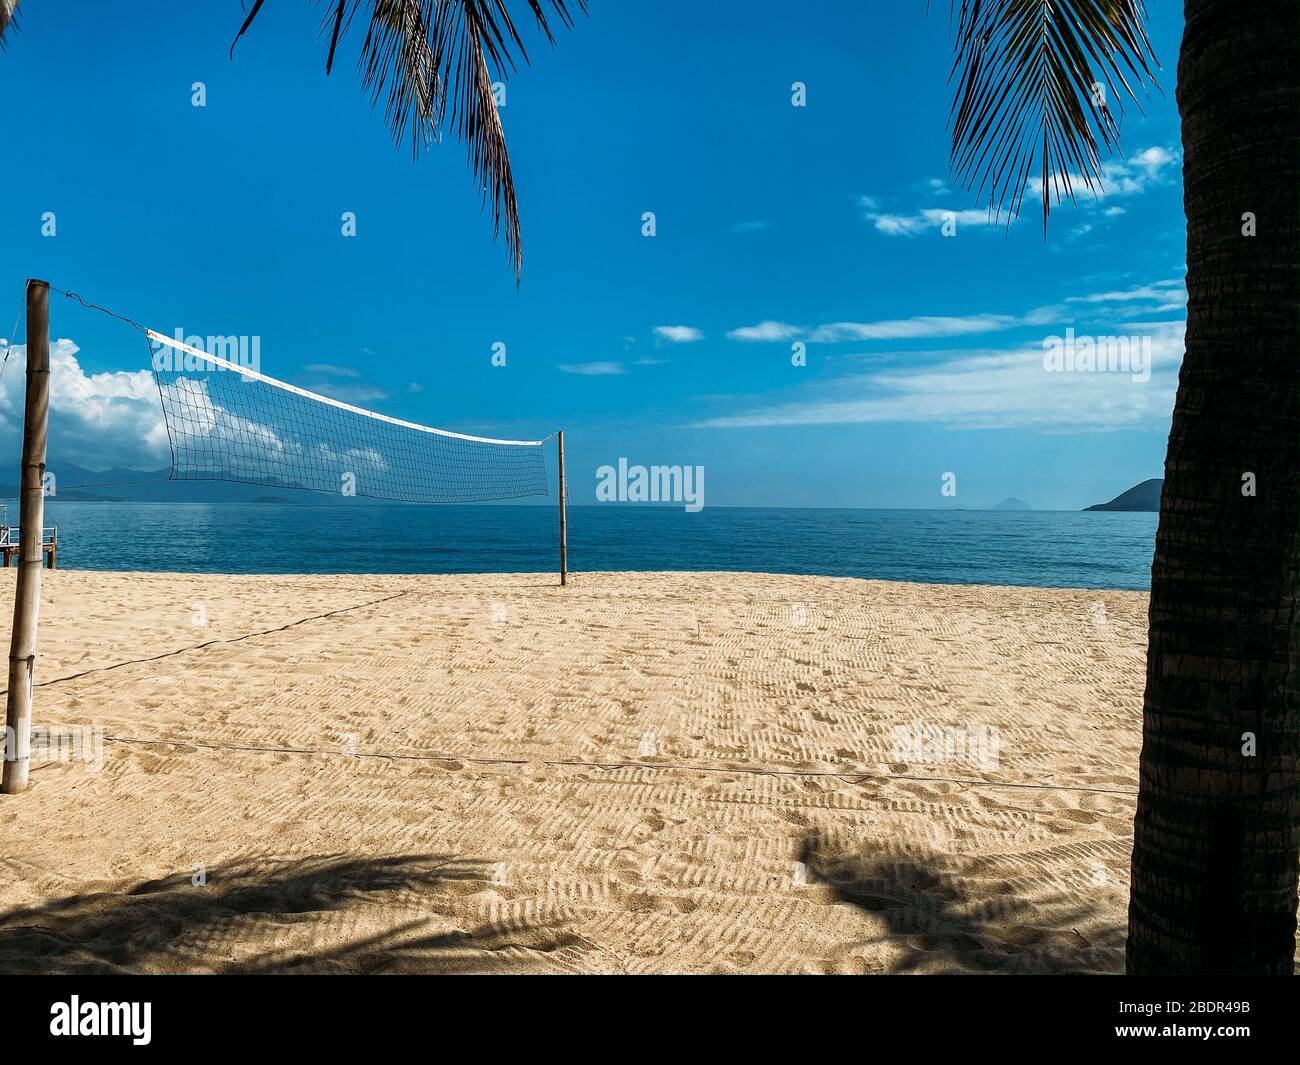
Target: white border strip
245,372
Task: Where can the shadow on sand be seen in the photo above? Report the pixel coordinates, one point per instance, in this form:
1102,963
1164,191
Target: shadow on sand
942,914
320,915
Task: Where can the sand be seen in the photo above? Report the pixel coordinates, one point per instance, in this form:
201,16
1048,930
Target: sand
654,772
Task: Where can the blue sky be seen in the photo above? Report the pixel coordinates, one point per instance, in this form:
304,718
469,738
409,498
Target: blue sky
775,224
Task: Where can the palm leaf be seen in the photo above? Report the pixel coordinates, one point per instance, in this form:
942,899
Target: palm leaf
248,21
432,63
1037,82
8,18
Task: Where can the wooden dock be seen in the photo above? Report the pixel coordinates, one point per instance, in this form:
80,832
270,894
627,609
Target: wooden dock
49,544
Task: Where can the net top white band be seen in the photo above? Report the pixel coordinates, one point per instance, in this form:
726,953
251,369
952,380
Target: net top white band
246,372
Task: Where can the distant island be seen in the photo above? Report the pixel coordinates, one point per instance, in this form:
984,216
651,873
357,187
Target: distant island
1012,503
1144,496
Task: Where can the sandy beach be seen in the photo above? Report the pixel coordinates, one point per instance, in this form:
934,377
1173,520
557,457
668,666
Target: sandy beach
654,772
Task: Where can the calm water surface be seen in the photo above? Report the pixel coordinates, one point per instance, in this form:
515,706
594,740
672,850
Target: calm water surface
1044,548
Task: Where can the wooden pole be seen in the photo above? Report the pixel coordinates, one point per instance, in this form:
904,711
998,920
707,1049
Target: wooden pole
31,527
564,532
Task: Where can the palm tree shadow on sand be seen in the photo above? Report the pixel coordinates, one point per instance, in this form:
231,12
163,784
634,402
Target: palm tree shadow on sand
944,914
326,914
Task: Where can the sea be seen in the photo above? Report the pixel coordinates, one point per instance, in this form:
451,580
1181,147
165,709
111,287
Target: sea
1053,549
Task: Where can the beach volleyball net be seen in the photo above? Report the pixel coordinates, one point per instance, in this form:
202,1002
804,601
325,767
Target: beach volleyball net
228,422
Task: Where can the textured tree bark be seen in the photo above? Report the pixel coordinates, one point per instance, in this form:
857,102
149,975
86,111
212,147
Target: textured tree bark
1217,835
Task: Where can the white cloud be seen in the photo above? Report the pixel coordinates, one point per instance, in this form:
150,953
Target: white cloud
358,395
923,220
748,227
97,420
204,417
897,225
115,418
918,327
989,389
364,457
328,369
765,331
678,334
1130,178
1168,295
343,383
908,328
592,369
1153,160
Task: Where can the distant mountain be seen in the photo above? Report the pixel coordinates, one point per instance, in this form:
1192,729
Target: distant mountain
76,484
1012,503
1144,496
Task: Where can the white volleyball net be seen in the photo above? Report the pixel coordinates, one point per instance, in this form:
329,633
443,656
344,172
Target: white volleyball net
228,422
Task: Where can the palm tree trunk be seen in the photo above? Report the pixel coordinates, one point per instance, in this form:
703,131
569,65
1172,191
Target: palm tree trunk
1216,844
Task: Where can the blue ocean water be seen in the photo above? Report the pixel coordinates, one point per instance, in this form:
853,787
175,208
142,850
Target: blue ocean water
1044,548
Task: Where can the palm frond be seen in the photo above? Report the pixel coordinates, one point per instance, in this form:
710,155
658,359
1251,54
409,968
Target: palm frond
248,21
8,19
432,64
1037,87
